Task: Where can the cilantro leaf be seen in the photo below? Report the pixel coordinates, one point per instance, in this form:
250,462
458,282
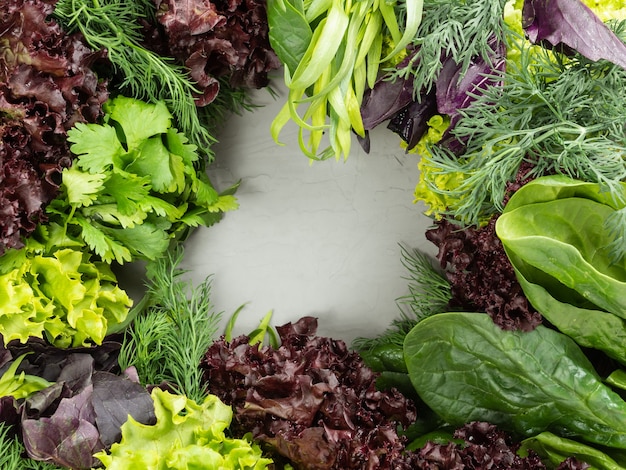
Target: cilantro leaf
82,188
166,170
137,119
97,146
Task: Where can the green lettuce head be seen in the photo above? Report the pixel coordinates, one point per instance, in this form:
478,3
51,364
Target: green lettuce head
562,236
186,436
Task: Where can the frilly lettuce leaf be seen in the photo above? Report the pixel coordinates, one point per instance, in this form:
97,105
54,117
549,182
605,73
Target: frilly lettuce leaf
62,296
186,435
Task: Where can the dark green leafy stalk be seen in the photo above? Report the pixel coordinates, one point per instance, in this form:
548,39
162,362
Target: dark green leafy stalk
173,332
114,25
12,453
451,28
429,293
563,115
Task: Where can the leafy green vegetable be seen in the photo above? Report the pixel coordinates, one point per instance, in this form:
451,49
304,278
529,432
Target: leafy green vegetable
555,449
116,26
173,327
554,231
21,385
332,50
60,294
186,435
561,114
134,186
466,368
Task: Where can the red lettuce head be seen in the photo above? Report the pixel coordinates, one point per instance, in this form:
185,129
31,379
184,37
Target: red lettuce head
46,85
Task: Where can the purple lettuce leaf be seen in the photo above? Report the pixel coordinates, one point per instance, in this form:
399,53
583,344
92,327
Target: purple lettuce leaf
47,84
572,24
218,39
313,401
81,414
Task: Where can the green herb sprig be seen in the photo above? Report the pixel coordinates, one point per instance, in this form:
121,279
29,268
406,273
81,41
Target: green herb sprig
562,114
451,28
172,330
114,25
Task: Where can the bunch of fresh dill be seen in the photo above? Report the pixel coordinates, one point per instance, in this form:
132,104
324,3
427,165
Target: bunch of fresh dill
562,114
462,30
172,330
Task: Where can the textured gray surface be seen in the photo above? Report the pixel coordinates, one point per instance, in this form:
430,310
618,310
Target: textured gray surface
318,239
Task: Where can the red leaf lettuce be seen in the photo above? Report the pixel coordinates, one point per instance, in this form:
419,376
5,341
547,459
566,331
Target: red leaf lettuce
46,85
311,400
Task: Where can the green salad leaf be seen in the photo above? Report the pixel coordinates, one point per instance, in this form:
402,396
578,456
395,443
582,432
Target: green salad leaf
554,230
20,385
186,435
467,369
556,449
134,184
60,294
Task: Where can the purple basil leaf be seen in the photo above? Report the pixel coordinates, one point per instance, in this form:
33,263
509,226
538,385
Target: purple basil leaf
571,23
9,410
68,437
410,123
114,399
384,100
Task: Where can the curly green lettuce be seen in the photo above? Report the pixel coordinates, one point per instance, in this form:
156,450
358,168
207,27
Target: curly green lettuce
62,296
186,435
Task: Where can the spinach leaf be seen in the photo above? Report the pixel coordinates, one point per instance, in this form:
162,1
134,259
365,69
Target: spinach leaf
562,244
556,449
467,369
290,33
555,233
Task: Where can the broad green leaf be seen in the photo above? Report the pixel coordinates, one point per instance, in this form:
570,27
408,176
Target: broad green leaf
566,240
556,449
289,31
138,120
97,146
589,327
466,368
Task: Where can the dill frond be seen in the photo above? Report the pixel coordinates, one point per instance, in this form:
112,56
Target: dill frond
562,114
170,336
451,28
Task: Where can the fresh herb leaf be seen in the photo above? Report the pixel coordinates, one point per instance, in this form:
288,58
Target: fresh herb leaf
561,114
115,26
451,28
173,329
